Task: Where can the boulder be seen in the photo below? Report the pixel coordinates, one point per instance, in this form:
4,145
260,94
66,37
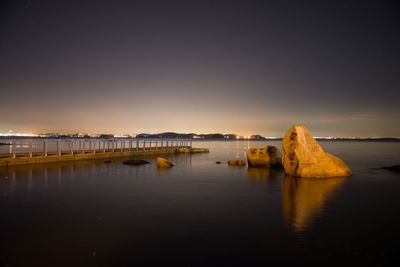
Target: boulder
263,157
164,163
395,168
304,157
236,162
135,162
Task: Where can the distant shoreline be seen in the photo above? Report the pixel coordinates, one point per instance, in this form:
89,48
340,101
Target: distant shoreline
385,139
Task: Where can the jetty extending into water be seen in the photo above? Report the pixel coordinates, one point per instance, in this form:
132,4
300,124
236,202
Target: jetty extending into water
30,151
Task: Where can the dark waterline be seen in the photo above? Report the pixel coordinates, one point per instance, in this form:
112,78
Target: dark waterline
200,213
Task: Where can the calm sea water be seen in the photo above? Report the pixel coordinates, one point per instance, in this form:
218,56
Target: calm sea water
199,213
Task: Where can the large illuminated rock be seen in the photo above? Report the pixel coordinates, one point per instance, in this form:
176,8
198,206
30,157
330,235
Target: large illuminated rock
263,157
304,157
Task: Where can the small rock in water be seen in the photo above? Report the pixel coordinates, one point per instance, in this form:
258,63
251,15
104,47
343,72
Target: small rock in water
107,161
236,162
135,162
164,163
218,162
395,168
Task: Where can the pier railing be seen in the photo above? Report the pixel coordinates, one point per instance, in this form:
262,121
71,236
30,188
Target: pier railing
46,147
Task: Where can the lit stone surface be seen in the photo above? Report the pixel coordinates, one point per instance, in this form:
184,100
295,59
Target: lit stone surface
164,163
263,157
304,157
236,162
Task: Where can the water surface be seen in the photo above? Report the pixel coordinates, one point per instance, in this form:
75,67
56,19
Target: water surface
199,213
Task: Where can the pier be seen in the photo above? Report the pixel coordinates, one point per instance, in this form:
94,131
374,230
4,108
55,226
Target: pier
29,151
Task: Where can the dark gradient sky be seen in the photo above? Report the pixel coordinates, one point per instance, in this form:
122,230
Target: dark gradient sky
245,67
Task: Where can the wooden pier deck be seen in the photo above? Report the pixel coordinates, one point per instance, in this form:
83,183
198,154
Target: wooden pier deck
33,151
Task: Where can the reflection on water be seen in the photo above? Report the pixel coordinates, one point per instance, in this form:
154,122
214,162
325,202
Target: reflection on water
130,215
262,174
29,177
303,199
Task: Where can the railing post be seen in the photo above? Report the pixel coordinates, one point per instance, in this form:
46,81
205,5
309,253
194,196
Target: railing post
113,145
45,148
144,145
137,144
94,147
71,146
122,145
104,146
30,148
58,147
14,143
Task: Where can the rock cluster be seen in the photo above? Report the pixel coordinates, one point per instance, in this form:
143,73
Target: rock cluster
304,157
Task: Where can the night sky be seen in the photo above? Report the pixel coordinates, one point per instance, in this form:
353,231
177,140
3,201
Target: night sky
244,67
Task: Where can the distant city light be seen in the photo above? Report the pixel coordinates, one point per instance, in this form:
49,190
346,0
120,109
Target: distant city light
12,133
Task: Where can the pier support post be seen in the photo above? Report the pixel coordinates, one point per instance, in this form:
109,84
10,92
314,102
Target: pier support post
14,148
58,148
30,148
137,144
71,147
45,148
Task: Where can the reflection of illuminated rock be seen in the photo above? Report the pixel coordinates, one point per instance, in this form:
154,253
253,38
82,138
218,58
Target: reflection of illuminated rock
262,174
303,199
